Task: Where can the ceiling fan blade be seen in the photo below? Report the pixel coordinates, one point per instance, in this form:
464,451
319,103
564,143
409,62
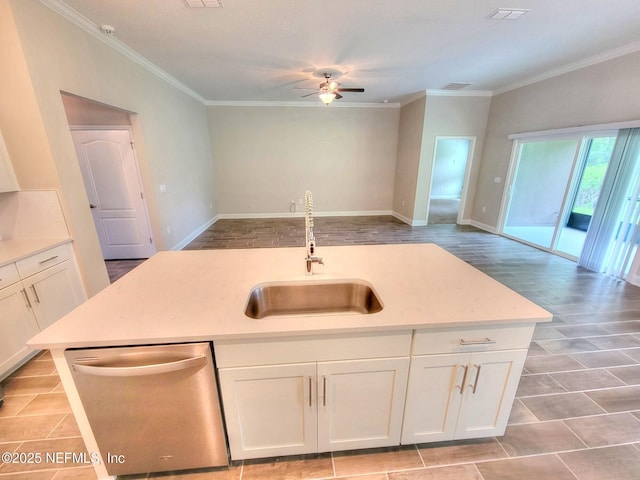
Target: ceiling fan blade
309,94
338,96
350,89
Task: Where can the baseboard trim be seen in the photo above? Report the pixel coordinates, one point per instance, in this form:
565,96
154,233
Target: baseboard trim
193,235
367,213
483,226
239,216
402,218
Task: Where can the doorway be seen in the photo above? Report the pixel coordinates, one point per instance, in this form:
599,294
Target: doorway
114,189
451,166
554,188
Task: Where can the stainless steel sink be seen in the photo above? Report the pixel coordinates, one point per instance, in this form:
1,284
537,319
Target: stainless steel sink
312,297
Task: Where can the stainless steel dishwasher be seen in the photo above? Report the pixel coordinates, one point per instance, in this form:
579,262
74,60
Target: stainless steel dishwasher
152,408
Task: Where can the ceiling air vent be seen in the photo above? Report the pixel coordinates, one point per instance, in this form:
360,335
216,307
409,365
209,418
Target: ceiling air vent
204,3
456,86
508,13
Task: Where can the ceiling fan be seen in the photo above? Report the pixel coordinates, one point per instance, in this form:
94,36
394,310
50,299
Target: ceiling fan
329,90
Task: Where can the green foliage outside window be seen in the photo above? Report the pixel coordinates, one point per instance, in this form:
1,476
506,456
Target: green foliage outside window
594,171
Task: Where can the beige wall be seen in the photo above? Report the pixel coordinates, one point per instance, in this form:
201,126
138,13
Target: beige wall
20,120
267,156
461,116
170,127
602,93
421,121
409,154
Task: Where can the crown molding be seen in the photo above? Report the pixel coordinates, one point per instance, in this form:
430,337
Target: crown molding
212,103
93,29
570,67
88,26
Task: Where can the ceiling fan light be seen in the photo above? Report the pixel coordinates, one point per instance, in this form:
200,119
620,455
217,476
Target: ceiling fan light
327,96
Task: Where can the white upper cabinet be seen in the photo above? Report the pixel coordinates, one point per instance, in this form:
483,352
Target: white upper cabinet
8,180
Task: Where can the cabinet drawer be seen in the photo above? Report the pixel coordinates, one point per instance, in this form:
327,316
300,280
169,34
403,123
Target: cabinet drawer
43,260
471,339
311,348
8,275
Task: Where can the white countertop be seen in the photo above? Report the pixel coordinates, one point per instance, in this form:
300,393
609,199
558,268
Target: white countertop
201,295
14,250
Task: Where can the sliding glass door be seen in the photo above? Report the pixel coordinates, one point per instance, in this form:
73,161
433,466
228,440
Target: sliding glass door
591,168
614,232
538,190
554,190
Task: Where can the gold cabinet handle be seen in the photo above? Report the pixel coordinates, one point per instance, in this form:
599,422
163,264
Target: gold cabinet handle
475,382
310,380
464,378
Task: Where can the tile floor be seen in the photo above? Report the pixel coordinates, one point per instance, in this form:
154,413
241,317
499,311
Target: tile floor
577,412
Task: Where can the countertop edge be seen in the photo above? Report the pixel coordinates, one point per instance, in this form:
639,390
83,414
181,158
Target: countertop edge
32,246
282,334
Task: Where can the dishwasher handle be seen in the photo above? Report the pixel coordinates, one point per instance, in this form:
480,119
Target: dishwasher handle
153,369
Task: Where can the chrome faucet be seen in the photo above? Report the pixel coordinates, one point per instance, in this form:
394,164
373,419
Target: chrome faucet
310,240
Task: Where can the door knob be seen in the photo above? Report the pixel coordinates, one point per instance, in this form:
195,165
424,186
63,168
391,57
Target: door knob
91,205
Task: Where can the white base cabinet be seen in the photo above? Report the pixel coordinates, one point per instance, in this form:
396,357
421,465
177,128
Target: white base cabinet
39,290
54,292
316,406
270,410
287,396
464,395
17,325
313,407
360,403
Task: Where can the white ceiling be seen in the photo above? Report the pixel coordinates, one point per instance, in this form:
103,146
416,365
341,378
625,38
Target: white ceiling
266,50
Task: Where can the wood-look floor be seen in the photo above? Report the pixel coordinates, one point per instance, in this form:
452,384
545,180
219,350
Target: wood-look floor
577,412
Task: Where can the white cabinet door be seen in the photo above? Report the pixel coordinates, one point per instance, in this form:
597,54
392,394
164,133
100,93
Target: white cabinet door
270,410
465,395
54,292
17,325
491,387
434,395
360,403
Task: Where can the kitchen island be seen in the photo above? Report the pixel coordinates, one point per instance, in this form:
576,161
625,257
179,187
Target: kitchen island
443,324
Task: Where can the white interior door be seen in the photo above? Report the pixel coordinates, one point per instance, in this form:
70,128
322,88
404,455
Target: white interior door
116,199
